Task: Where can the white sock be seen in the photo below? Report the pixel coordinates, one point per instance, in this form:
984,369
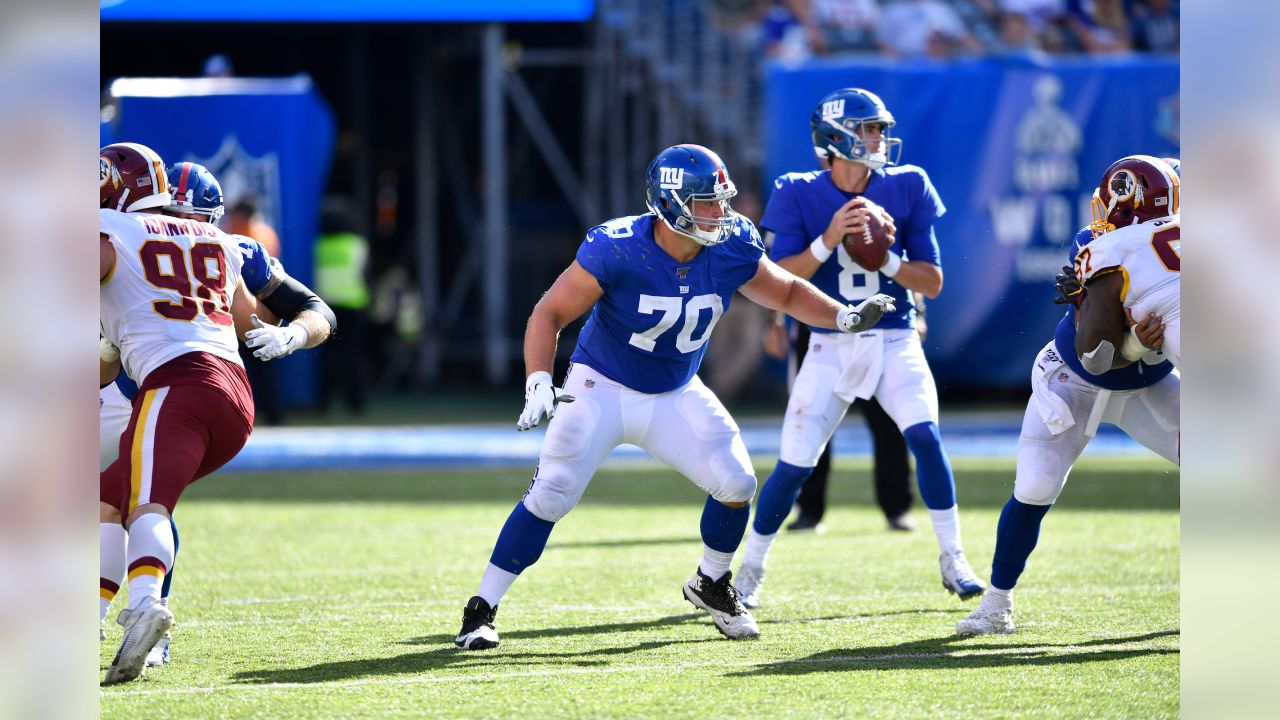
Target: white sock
112,540
149,555
946,525
715,563
996,599
495,584
757,550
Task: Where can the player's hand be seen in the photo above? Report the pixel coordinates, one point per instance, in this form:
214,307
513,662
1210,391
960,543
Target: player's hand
865,315
540,400
1150,332
850,218
273,341
1070,291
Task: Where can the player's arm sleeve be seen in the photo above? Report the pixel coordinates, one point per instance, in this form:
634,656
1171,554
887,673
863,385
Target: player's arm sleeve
782,218
594,254
918,238
289,297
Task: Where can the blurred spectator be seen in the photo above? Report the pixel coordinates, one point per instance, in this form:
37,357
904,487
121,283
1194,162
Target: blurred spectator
245,219
846,25
924,28
1017,35
341,262
218,66
1156,26
1099,26
1038,14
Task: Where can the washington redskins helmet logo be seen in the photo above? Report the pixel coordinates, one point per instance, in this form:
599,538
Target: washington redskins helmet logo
1124,186
107,173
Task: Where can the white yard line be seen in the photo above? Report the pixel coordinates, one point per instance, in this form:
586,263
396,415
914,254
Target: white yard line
553,672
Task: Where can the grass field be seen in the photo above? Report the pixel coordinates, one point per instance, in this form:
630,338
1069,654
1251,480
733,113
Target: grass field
328,595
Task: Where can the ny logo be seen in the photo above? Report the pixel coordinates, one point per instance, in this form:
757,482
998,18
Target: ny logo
670,178
833,109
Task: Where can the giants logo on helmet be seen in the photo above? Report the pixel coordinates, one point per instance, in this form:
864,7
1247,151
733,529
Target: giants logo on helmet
833,109
670,178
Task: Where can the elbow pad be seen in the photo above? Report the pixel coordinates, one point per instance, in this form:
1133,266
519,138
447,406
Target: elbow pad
1100,359
291,297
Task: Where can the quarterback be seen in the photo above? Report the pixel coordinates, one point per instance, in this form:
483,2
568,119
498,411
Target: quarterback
655,285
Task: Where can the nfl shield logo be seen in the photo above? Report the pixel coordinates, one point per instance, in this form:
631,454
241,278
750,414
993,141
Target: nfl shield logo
683,272
243,175
589,383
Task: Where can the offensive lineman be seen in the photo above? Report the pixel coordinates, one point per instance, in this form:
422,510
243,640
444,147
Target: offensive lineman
656,285
165,305
1088,375
810,213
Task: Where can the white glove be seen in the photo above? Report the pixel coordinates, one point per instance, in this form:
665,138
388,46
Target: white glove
865,315
273,341
107,351
540,400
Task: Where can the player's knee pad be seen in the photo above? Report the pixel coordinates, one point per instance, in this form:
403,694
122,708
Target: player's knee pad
733,477
555,490
803,439
1038,485
736,488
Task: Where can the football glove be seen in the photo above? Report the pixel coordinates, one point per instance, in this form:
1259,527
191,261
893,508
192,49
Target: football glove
540,400
864,316
1070,291
273,341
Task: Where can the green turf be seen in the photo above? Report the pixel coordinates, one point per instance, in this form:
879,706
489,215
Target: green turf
337,595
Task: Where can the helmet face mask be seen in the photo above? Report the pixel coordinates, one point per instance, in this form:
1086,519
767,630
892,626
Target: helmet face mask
689,189
845,125
1135,189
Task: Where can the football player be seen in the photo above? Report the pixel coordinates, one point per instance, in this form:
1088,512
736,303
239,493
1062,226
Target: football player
809,214
1089,375
655,285
197,195
165,285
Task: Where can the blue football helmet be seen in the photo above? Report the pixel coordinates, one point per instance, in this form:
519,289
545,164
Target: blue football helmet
842,112
682,174
195,190
1175,163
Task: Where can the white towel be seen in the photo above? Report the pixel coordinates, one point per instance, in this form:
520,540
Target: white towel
862,357
1052,409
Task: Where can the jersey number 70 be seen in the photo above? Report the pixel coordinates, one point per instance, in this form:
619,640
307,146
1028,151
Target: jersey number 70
671,309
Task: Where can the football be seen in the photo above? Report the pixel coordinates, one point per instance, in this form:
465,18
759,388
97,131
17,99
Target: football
870,248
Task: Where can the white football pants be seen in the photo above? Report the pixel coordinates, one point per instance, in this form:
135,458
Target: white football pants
686,428
1053,428
113,416
886,364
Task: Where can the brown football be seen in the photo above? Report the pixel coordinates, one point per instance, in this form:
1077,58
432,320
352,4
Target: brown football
870,248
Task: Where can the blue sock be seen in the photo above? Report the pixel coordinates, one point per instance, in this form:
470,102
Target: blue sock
723,526
933,470
1016,537
168,576
522,540
778,496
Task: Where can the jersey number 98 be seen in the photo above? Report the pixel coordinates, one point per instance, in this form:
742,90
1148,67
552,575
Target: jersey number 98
165,266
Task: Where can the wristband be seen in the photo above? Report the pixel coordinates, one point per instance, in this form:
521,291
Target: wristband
891,265
820,249
1131,348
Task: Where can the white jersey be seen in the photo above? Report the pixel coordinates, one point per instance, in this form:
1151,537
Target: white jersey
170,290
1149,257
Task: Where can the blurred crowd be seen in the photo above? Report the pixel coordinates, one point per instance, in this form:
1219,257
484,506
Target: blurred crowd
941,29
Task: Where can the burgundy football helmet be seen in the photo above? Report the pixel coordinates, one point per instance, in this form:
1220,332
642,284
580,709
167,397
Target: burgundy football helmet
1133,190
131,177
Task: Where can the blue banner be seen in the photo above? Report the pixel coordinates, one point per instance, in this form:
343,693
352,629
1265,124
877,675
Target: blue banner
1015,149
269,138
348,11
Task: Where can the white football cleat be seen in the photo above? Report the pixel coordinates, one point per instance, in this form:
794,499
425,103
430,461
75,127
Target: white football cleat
986,621
958,577
749,580
143,628
159,654
720,600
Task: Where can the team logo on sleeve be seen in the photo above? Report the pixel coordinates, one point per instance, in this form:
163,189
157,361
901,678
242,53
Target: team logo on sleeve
670,178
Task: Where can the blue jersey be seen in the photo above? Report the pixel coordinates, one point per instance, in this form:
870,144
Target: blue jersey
1129,377
128,388
258,265
800,210
650,329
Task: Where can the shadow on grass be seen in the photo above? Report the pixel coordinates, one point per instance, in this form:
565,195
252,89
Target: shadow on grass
627,542
943,653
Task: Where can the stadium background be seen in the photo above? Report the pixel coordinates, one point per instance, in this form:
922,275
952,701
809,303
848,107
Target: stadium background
474,145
